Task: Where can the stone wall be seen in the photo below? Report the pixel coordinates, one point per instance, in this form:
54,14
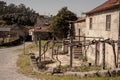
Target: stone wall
99,26
82,27
99,30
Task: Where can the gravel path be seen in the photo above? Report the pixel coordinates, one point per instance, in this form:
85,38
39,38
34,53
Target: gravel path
8,58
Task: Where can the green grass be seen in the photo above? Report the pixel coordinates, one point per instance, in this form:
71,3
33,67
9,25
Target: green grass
31,47
24,65
82,68
1,47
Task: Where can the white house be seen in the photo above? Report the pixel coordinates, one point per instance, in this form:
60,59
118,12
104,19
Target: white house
102,23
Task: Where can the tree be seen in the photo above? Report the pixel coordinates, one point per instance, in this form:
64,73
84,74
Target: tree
20,15
2,7
60,23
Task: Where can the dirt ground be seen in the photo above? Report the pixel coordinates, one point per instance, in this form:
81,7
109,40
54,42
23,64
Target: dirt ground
65,60
8,68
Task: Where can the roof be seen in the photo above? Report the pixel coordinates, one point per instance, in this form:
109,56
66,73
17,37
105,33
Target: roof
109,4
40,29
5,29
80,20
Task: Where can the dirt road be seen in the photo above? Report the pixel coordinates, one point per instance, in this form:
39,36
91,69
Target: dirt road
8,58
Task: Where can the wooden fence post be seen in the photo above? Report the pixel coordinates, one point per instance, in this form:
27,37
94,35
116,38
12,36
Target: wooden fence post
97,53
71,56
39,50
85,48
79,35
115,57
103,55
24,45
53,44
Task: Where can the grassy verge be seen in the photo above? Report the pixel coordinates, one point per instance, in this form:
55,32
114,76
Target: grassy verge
25,68
24,64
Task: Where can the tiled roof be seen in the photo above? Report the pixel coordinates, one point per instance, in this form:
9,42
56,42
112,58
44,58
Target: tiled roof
105,6
80,20
40,29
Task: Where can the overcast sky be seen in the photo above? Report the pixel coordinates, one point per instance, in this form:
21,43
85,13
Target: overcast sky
51,7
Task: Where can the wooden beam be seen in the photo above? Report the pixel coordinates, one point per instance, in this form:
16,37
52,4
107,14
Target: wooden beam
104,55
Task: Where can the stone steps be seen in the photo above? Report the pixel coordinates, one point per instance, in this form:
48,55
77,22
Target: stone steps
77,51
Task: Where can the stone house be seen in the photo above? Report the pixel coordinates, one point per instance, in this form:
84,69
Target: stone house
41,28
11,33
102,23
79,27
43,32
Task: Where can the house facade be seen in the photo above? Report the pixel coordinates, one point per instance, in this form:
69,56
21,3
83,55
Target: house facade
79,27
103,23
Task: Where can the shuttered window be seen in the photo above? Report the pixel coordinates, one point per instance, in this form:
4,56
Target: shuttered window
108,22
91,22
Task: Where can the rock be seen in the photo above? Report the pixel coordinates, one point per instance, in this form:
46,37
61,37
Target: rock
118,72
102,73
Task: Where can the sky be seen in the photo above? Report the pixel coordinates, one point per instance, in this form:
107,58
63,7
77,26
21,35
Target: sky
51,7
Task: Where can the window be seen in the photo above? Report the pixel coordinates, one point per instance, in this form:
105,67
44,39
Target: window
91,21
108,22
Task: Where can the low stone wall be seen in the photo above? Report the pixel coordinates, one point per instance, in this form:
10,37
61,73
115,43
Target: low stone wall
101,73
13,43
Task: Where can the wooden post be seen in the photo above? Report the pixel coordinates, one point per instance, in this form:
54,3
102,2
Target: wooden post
97,53
71,42
44,52
79,35
63,45
115,57
39,50
103,55
71,56
85,48
52,48
24,45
